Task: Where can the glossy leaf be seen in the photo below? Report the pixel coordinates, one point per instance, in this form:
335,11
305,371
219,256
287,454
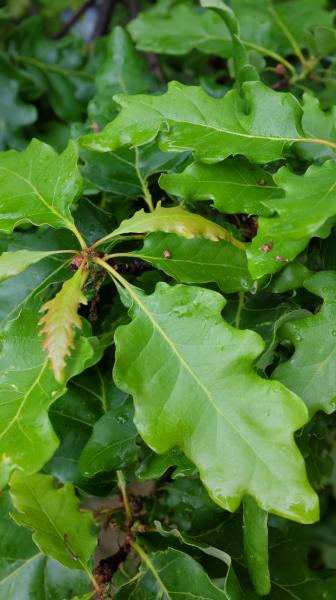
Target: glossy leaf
213,129
307,209
61,531
256,545
38,186
235,186
171,573
13,263
180,347
197,260
28,388
181,30
25,573
60,320
310,372
174,220
112,444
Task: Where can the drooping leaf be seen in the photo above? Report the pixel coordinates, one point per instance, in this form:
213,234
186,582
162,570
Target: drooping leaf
180,30
235,186
262,126
256,545
311,371
174,220
25,574
39,186
307,209
28,388
168,574
197,260
61,531
180,349
13,263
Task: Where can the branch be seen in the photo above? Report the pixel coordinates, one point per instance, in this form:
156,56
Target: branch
75,17
105,12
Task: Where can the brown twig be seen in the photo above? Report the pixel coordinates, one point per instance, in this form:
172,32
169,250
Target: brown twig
75,17
105,12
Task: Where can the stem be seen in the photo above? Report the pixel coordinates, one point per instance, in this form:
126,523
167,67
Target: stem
241,300
271,54
310,65
146,193
90,576
78,235
288,35
151,567
123,489
75,17
48,67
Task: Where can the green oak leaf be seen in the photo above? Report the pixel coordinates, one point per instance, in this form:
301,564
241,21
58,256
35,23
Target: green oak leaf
14,263
15,114
180,30
317,123
61,531
255,530
25,573
197,260
123,71
180,350
174,220
261,126
155,465
169,574
38,186
311,371
28,388
307,209
235,186
112,444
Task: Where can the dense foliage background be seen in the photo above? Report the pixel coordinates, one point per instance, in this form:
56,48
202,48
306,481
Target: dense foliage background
182,237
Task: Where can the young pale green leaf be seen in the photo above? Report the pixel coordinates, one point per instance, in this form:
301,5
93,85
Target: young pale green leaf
60,321
197,260
260,126
311,371
168,575
28,388
235,186
25,573
180,30
174,220
123,71
61,531
112,444
180,350
307,209
13,263
38,185
256,545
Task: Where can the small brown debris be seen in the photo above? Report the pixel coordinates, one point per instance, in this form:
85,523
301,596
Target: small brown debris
281,259
95,127
76,262
262,182
265,248
281,70
167,254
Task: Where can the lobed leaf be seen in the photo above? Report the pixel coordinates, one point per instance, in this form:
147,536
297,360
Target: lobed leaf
13,263
61,531
39,186
179,350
